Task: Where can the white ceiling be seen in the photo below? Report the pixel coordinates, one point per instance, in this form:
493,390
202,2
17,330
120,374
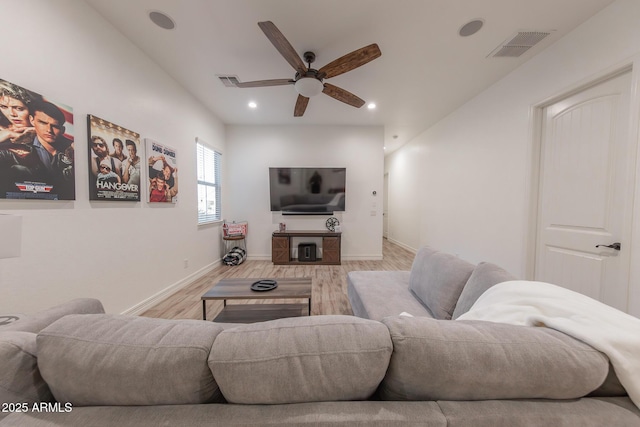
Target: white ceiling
425,72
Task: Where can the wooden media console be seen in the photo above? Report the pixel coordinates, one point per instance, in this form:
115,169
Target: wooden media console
281,247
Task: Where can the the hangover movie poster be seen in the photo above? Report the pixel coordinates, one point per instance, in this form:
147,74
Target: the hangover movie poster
36,146
163,172
114,161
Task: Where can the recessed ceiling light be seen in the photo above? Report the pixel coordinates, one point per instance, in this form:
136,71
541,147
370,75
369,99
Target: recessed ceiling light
371,106
471,27
162,20
253,105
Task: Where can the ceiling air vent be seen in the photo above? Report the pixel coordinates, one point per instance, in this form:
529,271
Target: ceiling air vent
228,81
518,44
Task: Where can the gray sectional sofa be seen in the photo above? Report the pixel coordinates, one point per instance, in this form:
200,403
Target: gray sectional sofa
439,286
73,365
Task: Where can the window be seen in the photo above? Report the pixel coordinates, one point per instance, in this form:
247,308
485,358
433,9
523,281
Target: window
208,184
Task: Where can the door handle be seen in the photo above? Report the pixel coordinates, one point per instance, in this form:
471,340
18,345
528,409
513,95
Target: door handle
615,246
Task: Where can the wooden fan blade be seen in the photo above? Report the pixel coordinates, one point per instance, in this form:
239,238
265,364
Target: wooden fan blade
350,61
283,46
301,105
342,95
264,83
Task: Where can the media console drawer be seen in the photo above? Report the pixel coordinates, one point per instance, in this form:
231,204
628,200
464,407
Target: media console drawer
281,247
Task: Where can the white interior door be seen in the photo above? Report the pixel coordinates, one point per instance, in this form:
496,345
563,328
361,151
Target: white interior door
586,187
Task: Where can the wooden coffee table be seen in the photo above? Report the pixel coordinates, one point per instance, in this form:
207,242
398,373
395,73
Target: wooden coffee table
240,289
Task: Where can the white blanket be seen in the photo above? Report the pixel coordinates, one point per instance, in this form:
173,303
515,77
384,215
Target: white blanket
610,331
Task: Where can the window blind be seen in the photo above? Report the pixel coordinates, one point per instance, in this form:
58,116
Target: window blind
209,200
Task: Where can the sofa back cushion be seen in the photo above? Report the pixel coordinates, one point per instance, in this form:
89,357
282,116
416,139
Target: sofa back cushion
20,380
484,276
303,359
476,360
40,320
100,359
437,279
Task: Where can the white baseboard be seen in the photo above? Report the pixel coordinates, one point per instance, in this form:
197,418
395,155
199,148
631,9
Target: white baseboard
143,306
259,257
362,257
344,257
402,245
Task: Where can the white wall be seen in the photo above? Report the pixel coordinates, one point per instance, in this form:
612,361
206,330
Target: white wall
120,252
471,171
251,150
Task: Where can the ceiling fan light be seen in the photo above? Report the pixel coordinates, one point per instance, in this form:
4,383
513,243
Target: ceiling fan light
309,86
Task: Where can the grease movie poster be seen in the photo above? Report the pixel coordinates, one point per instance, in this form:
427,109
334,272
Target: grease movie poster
36,146
114,161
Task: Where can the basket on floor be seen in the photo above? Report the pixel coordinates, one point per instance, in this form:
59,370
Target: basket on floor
234,229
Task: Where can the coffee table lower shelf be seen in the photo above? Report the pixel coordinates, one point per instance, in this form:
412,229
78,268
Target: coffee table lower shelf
251,313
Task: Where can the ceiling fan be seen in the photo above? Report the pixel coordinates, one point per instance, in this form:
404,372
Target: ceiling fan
308,81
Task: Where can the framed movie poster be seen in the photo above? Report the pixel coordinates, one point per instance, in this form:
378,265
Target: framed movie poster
114,162
36,146
163,172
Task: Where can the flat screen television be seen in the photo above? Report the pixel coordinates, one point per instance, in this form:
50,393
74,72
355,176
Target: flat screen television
307,191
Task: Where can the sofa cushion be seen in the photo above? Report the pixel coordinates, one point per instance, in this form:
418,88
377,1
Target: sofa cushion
378,294
20,380
477,360
418,267
437,279
303,359
314,414
618,412
100,359
40,320
484,276
610,387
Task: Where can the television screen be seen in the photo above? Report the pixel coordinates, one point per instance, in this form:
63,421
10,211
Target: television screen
310,191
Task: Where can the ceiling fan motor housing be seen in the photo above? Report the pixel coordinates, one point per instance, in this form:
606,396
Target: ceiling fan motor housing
309,73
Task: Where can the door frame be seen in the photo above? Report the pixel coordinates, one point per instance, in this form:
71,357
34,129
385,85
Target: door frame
385,203
536,115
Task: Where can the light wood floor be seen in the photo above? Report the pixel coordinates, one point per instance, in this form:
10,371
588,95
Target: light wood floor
329,288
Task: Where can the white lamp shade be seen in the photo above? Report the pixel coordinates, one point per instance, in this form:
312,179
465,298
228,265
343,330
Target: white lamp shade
309,86
11,232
